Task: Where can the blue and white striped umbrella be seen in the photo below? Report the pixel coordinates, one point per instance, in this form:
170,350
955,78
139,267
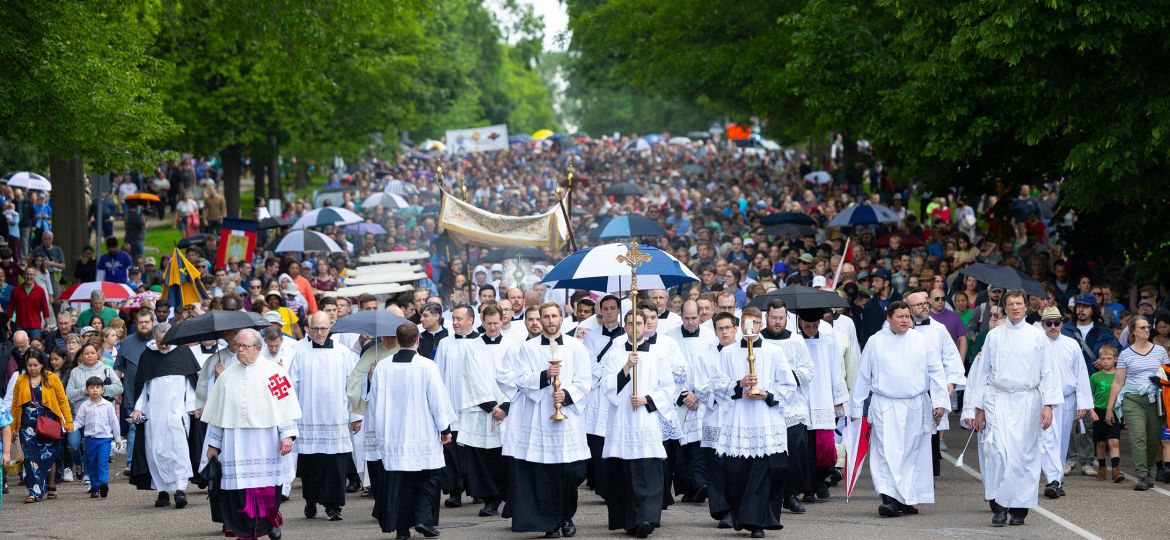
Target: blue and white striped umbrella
631,226
864,214
598,269
323,217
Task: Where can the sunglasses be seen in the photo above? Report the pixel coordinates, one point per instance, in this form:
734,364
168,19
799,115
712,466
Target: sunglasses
1052,323
938,298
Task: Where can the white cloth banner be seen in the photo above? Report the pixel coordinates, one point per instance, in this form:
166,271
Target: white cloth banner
480,139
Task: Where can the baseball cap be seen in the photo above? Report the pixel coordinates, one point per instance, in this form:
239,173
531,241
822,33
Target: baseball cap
818,282
1085,299
88,330
780,268
1050,312
151,262
749,242
806,258
273,317
881,273
1146,302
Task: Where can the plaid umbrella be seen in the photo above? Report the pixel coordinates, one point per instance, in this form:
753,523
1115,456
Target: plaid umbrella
136,301
181,283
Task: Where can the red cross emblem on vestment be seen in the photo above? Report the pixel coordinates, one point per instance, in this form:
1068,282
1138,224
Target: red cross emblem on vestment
278,385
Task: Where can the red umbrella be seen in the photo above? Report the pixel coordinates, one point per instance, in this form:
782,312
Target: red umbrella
908,240
857,441
113,292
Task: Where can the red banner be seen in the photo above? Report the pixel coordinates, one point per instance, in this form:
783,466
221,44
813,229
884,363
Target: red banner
237,239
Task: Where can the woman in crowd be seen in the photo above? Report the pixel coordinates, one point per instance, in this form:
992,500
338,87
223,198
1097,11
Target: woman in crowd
110,345
45,276
38,393
187,215
324,280
85,270
1137,397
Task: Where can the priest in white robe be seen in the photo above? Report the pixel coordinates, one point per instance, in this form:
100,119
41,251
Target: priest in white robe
919,302
667,321
549,454
608,333
484,410
165,386
713,411
902,375
827,393
281,350
753,438
319,375
409,419
252,415
197,434
977,379
667,348
1078,399
696,348
634,452
1013,405
449,359
800,478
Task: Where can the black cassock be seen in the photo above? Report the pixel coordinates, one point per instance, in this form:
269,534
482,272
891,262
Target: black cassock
151,365
403,499
635,492
755,489
228,505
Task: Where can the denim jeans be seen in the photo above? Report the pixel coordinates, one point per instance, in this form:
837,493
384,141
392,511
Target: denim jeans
130,432
73,442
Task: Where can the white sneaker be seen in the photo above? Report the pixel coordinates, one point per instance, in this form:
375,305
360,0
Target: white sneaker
67,475
1068,467
85,479
1089,470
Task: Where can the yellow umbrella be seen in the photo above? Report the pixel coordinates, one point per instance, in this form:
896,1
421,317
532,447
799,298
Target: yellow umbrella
542,134
181,284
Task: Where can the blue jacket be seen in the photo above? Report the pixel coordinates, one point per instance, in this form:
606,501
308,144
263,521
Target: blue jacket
1099,335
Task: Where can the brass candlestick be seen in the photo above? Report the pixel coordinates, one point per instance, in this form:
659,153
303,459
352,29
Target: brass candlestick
556,385
751,338
633,258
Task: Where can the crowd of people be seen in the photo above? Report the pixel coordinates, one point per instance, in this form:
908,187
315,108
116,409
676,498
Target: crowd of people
462,400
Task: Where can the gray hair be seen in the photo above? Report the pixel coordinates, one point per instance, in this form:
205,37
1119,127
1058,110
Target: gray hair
252,335
160,330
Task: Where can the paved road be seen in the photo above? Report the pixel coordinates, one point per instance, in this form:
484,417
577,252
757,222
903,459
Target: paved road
1092,509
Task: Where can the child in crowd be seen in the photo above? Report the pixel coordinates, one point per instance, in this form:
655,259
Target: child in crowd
99,422
1105,436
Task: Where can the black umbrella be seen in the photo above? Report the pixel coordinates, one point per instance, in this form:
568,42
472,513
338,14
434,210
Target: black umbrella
212,325
371,323
624,188
518,252
790,230
273,223
196,240
1004,277
788,217
800,297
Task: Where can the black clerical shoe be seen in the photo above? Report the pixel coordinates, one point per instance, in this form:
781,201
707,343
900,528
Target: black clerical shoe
758,533
93,493
334,514
688,498
793,505
889,507
808,498
403,534
275,534
701,494
488,510
163,500
104,490
999,517
1017,519
310,509
906,509
427,530
476,500
454,501
180,500
725,522
642,530
553,534
353,486
1050,490
568,530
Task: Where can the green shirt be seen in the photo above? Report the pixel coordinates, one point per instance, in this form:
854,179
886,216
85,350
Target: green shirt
966,316
108,314
1101,383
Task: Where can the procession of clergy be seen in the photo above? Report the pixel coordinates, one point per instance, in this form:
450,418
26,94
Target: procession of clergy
517,413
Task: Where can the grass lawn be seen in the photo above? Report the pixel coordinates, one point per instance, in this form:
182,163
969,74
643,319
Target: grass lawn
163,238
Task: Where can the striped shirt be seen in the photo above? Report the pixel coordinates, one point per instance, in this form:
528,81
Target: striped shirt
1139,367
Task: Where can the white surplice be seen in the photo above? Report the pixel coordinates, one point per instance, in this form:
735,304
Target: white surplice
250,457
636,433
319,375
449,359
850,346
752,427
598,342
1074,383
167,401
207,374
408,408
483,360
698,349
667,348
284,355
903,376
532,435
1019,379
791,344
827,388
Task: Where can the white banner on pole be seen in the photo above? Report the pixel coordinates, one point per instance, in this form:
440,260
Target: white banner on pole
480,139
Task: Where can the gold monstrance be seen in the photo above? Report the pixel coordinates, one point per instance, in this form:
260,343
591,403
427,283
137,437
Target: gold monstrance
633,258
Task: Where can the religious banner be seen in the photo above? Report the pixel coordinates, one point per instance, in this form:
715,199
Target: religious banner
466,223
480,139
237,239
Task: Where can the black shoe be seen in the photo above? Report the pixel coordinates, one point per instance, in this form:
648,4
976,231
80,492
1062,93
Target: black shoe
283,498
808,498
642,530
163,500
353,486
275,534
823,491
688,498
835,477
427,530
403,534
1143,483
1160,475
310,509
725,522
180,500
1017,519
1050,490
476,500
999,517
333,513
454,501
906,509
700,494
488,510
104,490
553,534
793,505
568,530
889,507
93,494
758,533
1060,490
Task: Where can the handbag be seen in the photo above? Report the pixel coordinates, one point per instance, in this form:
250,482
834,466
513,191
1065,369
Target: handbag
47,428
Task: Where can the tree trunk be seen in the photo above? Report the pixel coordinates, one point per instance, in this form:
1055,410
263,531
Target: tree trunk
231,179
259,180
302,181
70,221
274,169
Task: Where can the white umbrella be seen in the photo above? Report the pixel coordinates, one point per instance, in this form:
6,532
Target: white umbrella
29,180
430,144
820,177
330,215
303,240
638,145
598,269
391,201
679,140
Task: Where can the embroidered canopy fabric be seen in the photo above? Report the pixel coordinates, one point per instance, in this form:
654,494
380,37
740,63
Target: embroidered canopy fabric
470,224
